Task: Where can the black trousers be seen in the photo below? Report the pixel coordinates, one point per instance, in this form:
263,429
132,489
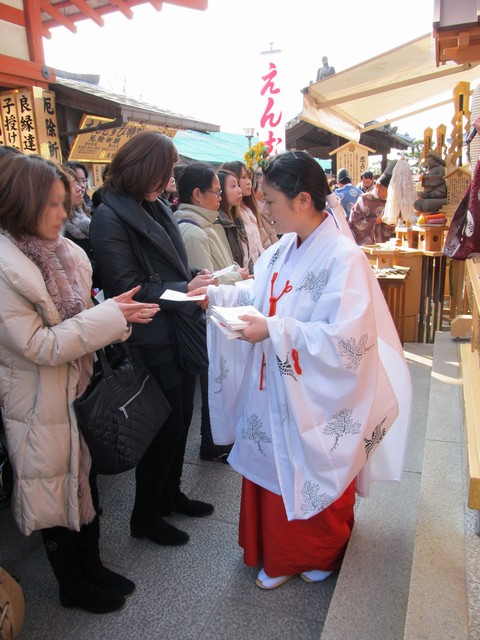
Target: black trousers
159,473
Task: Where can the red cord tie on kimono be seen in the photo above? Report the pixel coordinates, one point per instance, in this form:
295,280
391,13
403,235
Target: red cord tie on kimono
296,362
271,312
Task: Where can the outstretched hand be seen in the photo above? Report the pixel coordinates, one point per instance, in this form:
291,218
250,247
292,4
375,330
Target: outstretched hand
201,291
133,311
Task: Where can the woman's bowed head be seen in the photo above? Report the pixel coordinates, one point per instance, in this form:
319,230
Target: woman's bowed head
292,207
36,195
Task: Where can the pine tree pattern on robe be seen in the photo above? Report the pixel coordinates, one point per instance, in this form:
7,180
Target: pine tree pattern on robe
244,298
314,284
353,351
222,374
252,430
313,500
342,424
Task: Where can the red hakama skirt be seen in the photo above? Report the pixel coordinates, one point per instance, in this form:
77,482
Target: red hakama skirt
292,547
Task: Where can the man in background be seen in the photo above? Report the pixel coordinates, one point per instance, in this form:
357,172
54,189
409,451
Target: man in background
346,192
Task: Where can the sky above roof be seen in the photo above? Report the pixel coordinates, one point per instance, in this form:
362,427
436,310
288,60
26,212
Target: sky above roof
210,64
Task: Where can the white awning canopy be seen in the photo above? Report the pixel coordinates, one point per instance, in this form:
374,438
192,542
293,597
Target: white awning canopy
391,83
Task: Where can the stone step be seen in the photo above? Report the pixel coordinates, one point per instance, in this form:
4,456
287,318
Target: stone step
437,599
370,598
412,565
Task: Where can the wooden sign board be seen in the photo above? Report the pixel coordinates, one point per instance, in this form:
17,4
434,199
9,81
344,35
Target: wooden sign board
457,183
29,122
354,158
100,146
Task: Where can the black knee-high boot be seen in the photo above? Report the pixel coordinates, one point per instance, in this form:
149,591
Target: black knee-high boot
61,545
91,564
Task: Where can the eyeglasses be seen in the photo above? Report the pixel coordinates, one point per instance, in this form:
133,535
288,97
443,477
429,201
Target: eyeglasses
217,193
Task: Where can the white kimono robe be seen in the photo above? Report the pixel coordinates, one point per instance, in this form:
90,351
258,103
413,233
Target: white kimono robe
335,380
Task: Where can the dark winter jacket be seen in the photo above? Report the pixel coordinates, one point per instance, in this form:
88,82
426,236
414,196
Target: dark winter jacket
126,237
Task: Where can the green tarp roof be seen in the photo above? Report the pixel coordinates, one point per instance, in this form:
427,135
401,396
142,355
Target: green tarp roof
217,147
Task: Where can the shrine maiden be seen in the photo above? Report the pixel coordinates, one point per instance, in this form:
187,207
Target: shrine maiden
317,395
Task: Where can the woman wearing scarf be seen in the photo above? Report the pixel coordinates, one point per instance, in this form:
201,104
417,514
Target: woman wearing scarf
48,332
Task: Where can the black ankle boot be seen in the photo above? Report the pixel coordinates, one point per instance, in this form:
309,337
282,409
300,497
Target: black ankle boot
192,508
108,580
160,532
90,598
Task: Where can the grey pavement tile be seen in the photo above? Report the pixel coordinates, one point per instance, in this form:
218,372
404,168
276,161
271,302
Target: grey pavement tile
296,597
420,360
239,621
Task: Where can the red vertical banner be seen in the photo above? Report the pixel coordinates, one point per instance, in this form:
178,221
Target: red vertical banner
272,128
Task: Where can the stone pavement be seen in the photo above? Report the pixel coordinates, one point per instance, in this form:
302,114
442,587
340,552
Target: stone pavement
199,591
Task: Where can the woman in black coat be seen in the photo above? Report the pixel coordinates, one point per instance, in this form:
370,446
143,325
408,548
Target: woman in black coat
136,239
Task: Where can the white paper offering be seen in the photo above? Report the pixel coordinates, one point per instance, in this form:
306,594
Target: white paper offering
179,296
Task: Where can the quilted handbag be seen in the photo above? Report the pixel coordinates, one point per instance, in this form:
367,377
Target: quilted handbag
121,411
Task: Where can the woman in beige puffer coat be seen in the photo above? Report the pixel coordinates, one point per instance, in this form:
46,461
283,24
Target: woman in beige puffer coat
48,332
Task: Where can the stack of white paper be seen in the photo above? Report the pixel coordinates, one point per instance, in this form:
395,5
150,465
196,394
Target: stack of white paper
227,319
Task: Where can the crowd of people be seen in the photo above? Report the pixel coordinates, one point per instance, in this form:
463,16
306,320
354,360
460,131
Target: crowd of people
364,205
310,405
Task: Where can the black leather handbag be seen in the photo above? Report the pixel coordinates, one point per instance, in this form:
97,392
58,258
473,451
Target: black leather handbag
189,339
121,411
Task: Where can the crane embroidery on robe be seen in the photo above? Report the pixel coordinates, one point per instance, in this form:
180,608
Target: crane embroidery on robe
244,298
274,258
341,425
286,368
252,431
353,351
222,375
314,501
314,284
377,436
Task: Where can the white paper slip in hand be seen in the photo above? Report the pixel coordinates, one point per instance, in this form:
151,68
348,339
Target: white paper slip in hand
222,272
179,296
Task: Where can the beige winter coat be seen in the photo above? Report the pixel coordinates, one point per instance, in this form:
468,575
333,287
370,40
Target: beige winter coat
205,241
38,382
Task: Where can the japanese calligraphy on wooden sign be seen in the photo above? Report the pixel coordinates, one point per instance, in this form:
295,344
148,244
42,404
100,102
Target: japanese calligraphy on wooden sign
10,126
29,122
354,158
46,111
272,132
457,183
100,146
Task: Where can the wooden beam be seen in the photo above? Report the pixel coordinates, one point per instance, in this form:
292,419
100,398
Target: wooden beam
20,73
121,6
201,5
116,5
12,15
57,16
88,11
33,20
462,55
